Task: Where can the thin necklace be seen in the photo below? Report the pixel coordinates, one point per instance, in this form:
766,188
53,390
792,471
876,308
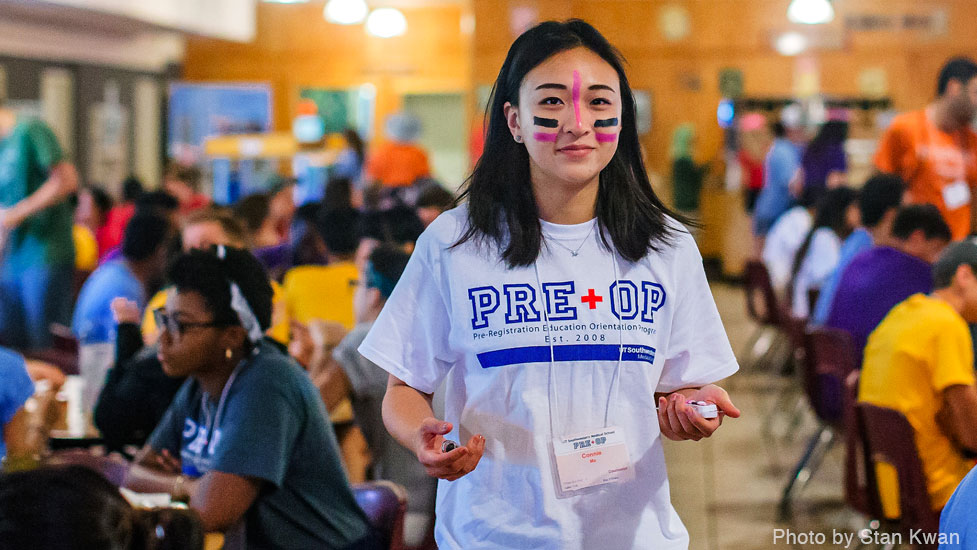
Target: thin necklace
573,252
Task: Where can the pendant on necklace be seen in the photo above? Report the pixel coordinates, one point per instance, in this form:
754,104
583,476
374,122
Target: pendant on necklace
574,254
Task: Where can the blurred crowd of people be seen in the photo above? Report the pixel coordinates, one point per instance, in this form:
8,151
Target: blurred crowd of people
163,285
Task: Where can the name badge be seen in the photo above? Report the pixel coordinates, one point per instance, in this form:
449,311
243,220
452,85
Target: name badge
956,195
591,459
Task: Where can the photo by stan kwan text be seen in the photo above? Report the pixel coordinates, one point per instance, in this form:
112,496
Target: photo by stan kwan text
852,539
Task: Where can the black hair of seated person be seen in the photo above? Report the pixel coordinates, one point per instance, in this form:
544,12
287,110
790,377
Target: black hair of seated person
132,189
881,193
389,261
338,194
435,196
75,508
399,225
101,199
144,234
253,210
202,271
921,217
337,228
160,201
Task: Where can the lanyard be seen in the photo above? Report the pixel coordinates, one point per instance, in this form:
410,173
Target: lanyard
214,422
556,427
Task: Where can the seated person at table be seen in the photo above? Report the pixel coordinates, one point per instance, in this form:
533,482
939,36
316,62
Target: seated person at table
146,249
137,392
325,291
75,508
919,361
203,229
15,389
785,238
878,203
837,216
352,374
246,438
881,277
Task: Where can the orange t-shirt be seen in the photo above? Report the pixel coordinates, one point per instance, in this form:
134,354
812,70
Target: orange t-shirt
939,168
397,164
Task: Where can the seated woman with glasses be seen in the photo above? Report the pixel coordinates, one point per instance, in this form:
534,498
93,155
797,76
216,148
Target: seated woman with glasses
246,437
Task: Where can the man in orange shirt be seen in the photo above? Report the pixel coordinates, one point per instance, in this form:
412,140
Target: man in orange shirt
935,150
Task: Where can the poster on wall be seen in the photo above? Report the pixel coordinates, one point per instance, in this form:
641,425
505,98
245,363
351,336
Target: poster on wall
198,112
108,160
344,108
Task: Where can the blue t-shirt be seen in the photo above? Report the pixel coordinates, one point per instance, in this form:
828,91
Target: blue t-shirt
874,282
271,426
15,388
93,322
774,199
957,518
859,241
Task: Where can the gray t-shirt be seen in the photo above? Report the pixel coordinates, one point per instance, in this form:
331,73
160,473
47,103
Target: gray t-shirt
390,459
272,426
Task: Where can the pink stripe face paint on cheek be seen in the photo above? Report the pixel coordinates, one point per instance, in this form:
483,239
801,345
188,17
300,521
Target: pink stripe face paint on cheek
576,96
543,136
605,138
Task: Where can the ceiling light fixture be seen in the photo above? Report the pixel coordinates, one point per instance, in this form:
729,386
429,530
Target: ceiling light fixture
386,23
810,12
791,43
345,12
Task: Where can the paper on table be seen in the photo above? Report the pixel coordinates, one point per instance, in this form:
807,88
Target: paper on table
146,500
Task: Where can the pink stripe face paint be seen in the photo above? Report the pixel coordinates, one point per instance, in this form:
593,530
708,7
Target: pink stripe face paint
605,138
543,136
576,97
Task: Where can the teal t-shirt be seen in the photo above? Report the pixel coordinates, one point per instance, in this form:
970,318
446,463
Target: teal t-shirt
272,426
26,158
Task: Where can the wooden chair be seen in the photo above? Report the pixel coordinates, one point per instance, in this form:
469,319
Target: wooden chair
890,439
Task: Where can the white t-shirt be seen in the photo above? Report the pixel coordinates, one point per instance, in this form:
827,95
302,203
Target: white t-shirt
461,315
818,264
782,243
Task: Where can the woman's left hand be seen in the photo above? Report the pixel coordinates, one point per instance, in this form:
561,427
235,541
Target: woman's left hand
679,421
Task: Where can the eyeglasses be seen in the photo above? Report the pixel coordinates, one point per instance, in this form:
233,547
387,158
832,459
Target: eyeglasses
165,321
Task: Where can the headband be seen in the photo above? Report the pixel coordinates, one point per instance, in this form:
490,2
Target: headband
240,306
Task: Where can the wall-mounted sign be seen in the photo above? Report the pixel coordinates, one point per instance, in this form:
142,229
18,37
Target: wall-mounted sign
935,23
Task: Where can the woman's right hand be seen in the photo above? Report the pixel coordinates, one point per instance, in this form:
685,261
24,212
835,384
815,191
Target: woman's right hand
453,464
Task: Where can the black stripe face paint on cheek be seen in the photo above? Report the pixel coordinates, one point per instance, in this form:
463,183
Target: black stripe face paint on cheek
546,122
606,123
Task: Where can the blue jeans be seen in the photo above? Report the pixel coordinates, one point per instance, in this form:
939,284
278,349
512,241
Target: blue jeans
31,299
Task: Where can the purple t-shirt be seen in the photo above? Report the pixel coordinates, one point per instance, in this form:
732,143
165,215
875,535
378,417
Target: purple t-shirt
872,284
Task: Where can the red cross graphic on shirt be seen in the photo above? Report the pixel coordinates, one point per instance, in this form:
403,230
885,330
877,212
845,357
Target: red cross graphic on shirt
591,299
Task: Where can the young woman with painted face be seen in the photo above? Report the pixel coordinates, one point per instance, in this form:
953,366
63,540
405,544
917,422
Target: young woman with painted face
559,307
246,438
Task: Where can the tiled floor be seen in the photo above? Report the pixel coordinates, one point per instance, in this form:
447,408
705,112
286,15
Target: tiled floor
727,488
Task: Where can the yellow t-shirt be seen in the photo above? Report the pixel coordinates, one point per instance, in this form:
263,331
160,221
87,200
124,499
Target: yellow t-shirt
321,292
86,248
279,330
922,347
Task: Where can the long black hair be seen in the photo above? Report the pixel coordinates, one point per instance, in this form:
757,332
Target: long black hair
501,205
831,213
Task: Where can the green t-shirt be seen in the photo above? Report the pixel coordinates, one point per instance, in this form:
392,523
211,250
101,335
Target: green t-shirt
26,158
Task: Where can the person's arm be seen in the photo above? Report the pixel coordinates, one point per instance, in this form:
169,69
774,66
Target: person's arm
221,499
62,181
409,418
326,372
960,404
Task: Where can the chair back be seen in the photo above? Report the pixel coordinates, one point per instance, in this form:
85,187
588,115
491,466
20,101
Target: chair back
889,438
761,300
385,505
829,360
